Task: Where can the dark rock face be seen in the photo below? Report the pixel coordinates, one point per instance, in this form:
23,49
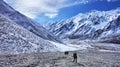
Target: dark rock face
115,26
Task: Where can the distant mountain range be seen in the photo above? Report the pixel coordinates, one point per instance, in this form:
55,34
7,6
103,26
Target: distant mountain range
102,26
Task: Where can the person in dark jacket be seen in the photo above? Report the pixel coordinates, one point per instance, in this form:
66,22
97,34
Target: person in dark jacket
75,57
66,52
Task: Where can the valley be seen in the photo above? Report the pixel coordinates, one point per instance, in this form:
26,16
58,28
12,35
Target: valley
94,36
91,57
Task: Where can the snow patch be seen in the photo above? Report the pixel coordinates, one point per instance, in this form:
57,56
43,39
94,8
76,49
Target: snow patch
109,51
70,47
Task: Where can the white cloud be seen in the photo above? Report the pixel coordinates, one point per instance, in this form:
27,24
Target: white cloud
50,8
108,0
50,15
111,0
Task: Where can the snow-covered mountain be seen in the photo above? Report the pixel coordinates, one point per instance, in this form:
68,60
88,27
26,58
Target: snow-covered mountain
26,22
91,25
16,39
20,34
112,32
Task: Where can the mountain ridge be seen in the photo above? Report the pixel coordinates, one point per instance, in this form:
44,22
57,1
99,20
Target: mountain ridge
91,25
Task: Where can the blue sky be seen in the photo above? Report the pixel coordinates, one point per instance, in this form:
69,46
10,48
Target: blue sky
44,11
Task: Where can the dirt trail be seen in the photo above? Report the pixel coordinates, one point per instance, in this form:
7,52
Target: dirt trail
86,58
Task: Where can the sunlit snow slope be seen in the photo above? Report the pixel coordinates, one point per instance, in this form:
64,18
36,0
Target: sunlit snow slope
95,25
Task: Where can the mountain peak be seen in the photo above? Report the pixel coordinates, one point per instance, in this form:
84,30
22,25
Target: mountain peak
90,25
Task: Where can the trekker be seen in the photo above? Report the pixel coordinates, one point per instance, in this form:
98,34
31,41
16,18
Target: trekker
75,57
66,52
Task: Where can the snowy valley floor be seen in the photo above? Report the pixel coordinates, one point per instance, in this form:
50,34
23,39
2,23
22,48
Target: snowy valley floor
101,55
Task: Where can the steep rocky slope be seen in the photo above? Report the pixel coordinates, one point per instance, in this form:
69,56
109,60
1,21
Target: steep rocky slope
26,22
15,39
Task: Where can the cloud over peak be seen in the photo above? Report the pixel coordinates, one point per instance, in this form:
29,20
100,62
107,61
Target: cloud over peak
49,8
